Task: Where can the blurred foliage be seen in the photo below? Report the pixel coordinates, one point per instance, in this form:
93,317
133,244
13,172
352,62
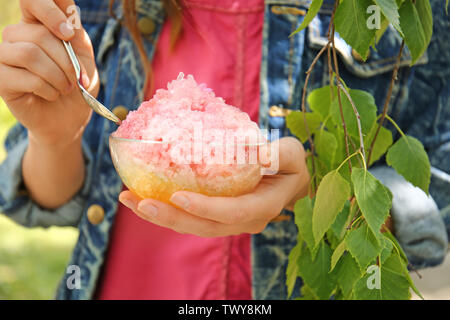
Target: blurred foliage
32,261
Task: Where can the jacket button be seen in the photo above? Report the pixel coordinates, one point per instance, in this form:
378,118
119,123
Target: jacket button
276,111
95,214
146,25
121,112
358,57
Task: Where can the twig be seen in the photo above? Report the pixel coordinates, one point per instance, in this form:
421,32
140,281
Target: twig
395,125
311,142
358,119
330,67
387,100
354,150
330,71
355,216
414,270
338,79
316,58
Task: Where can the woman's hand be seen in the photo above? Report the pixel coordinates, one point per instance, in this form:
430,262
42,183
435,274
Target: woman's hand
39,86
37,79
222,216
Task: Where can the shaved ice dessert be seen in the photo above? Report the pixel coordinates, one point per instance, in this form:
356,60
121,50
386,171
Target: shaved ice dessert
186,138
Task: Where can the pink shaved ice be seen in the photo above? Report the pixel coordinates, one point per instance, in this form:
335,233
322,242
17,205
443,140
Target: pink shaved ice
169,116
172,120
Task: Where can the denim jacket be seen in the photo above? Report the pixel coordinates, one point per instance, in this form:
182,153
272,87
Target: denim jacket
419,104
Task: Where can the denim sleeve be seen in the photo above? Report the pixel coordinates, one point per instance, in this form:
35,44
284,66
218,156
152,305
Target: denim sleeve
14,200
418,224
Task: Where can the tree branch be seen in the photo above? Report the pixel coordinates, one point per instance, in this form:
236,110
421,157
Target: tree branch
358,119
305,85
338,79
387,100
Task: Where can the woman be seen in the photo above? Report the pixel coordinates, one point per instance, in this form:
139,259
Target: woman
59,172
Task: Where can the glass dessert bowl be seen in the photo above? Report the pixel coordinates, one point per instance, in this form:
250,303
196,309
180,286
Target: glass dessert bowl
156,169
187,138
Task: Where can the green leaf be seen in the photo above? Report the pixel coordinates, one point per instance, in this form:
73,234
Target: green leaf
390,11
337,254
382,143
315,273
332,239
411,283
326,146
387,249
320,168
319,100
312,12
295,122
363,245
338,294
373,198
307,293
367,109
340,152
339,225
416,21
393,282
292,268
348,272
408,157
351,23
303,219
399,251
446,6
331,195
397,246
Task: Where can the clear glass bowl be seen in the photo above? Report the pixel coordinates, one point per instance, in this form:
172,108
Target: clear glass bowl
155,169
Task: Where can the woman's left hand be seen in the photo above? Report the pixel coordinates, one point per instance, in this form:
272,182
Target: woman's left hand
223,216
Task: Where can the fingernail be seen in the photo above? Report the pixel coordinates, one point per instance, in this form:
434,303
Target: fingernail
180,200
127,203
148,209
85,81
66,30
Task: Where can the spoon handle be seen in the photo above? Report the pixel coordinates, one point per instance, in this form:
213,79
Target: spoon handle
73,58
91,101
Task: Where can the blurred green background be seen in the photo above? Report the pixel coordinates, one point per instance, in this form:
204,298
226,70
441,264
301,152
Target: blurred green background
32,261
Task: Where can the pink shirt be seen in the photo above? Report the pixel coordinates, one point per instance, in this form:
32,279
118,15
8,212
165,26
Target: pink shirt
221,46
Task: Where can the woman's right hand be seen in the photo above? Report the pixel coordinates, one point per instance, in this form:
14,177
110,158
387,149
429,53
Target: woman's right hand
37,79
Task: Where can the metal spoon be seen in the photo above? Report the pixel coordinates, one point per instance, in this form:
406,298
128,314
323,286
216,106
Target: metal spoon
91,101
